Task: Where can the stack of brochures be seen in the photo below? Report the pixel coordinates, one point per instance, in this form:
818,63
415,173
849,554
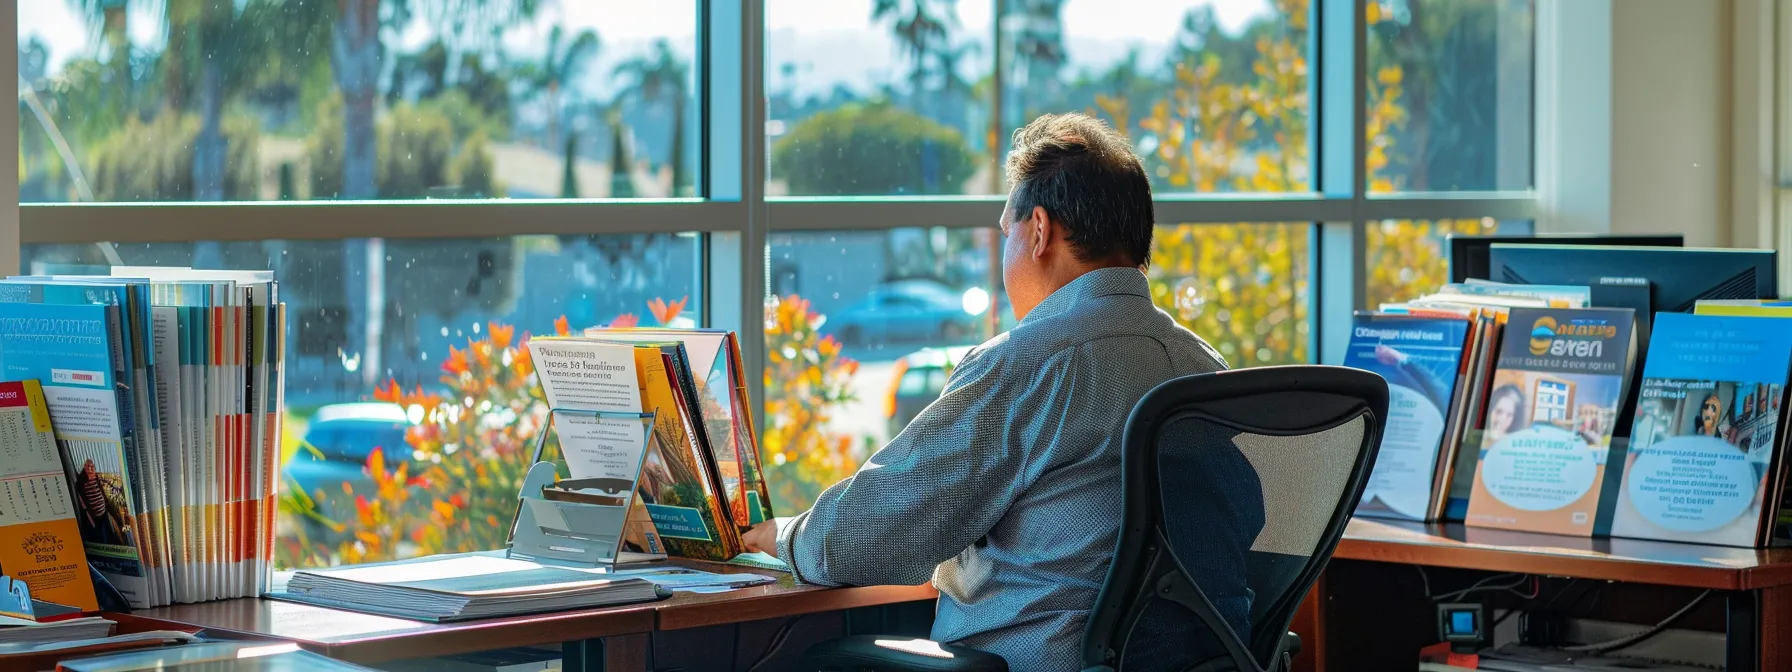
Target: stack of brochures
700,483
1438,353
164,387
461,587
1535,432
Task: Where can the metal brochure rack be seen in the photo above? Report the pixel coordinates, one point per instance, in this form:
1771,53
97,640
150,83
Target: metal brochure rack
576,533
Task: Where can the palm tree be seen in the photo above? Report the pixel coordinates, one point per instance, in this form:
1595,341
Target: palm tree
549,77
569,170
661,77
355,55
355,61
920,29
111,17
955,90
210,152
622,184
1038,48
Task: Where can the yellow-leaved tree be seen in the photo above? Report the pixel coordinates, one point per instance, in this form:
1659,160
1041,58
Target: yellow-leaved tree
1245,286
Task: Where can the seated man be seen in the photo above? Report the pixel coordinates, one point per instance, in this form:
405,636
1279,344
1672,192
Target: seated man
1006,491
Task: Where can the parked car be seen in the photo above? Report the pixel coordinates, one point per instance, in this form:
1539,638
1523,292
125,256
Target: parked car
917,381
335,450
904,311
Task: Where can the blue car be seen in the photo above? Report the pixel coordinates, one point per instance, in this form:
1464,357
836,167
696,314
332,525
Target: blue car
904,311
335,451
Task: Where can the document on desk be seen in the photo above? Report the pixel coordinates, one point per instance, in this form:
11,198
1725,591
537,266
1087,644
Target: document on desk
464,586
676,578
579,375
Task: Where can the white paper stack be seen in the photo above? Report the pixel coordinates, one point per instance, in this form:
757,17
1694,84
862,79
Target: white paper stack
460,587
21,631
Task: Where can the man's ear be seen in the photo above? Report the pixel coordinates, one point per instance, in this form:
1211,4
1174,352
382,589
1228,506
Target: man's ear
1039,226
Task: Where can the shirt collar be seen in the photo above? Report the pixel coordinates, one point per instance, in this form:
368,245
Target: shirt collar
1094,284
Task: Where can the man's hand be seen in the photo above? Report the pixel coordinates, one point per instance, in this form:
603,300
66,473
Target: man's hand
763,538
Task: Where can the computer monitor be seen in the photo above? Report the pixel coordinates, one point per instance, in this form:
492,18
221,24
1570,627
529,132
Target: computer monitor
1678,277
1468,254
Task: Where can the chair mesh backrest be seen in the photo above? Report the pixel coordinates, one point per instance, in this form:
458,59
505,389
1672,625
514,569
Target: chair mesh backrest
1234,498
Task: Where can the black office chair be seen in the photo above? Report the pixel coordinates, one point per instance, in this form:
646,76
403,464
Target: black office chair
1304,437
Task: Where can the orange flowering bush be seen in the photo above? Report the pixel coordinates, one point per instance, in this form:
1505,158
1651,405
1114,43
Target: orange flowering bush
806,378
453,487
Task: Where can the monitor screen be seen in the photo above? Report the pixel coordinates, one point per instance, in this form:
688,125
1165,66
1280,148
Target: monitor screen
1677,277
1468,254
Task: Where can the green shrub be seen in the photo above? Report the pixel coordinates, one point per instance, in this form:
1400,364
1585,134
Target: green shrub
872,150
154,161
416,154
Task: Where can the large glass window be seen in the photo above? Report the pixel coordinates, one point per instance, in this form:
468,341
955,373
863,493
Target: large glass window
278,100
1242,287
861,328
1213,94
878,98
404,338
380,333
888,98
1449,99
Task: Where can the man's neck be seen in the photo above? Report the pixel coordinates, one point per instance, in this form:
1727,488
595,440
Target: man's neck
1068,273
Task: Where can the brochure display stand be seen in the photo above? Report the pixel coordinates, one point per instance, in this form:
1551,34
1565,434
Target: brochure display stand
580,522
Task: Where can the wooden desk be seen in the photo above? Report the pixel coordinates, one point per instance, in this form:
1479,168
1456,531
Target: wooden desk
1755,584
776,600
365,638
611,638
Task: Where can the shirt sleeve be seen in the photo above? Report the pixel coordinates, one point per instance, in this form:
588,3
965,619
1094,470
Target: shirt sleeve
934,490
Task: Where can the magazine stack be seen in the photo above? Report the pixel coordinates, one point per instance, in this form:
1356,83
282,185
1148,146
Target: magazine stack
164,389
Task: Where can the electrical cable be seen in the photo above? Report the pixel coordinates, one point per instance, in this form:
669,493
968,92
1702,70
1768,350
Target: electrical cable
1621,642
1481,586
777,643
1536,591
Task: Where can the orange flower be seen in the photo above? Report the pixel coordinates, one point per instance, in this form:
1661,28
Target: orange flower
664,312
389,392
561,327
457,362
501,334
457,501
625,321
376,463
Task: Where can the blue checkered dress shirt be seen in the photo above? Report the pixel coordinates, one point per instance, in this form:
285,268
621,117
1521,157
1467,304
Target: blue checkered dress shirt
1006,491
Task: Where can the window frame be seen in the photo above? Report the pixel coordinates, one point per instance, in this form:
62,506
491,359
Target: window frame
734,217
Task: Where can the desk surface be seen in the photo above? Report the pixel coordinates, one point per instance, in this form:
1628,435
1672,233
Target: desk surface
365,638
1632,560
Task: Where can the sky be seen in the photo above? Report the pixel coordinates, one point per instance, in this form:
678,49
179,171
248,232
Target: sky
827,42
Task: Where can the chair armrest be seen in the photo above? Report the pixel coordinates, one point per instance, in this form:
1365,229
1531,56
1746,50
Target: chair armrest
878,653
1291,643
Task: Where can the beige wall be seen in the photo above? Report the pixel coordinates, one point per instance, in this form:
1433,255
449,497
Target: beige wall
1670,119
1657,116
